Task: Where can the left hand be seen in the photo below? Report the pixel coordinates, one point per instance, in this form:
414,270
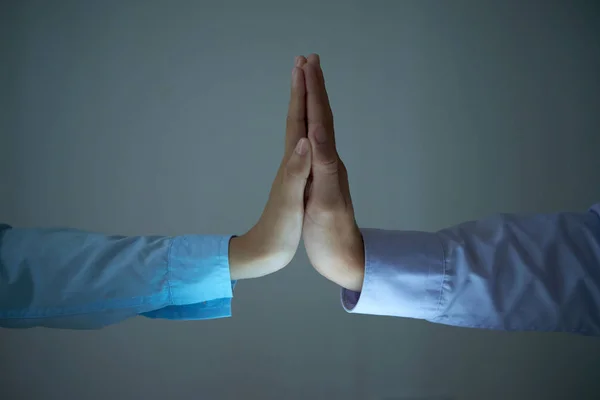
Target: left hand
272,243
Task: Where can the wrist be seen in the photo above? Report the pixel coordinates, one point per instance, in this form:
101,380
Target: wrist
250,258
354,262
240,257
359,262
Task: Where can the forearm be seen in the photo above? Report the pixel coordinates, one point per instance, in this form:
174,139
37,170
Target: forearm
510,272
524,273
69,278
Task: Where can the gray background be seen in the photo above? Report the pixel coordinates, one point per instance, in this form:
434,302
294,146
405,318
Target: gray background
168,117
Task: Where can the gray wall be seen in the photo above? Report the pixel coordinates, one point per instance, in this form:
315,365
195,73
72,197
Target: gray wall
168,117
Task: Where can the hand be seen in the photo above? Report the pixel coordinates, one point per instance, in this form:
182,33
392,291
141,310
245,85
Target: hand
331,236
271,244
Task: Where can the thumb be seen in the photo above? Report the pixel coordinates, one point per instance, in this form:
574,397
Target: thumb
297,171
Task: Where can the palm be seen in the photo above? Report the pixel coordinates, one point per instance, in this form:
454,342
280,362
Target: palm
333,243
282,225
316,242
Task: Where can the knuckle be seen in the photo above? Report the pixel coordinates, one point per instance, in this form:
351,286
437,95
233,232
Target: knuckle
323,214
295,119
343,170
325,121
328,166
294,173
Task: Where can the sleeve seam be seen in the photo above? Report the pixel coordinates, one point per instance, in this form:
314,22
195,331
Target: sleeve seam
169,252
439,305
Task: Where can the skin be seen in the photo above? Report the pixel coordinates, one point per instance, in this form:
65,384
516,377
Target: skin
310,196
331,236
271,244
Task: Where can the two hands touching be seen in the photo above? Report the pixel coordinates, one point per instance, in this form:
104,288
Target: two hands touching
515,272
310,196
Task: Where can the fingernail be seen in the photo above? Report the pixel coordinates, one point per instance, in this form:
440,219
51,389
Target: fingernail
295,75
301,147
320,135
297,61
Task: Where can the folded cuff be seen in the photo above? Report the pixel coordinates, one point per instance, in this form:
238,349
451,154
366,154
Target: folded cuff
198,269
404,275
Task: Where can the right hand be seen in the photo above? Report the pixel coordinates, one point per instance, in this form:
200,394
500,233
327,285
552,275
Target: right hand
272,243
332,239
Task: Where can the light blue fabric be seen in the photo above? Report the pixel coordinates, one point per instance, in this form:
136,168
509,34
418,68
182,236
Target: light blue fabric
65,278
507,272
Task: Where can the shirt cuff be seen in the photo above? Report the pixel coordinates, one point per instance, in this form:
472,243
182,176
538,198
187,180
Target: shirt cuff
218,308
404,275
198,269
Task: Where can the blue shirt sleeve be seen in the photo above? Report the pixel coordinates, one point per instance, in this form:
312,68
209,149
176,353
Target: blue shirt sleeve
507,272
64,278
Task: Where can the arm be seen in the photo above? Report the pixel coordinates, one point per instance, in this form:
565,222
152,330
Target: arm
74,279
507,272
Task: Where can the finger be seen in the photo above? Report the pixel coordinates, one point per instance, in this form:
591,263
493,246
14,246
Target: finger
325,186
316,60
317,98
297,171
300,61
296,117
319,117
317,85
